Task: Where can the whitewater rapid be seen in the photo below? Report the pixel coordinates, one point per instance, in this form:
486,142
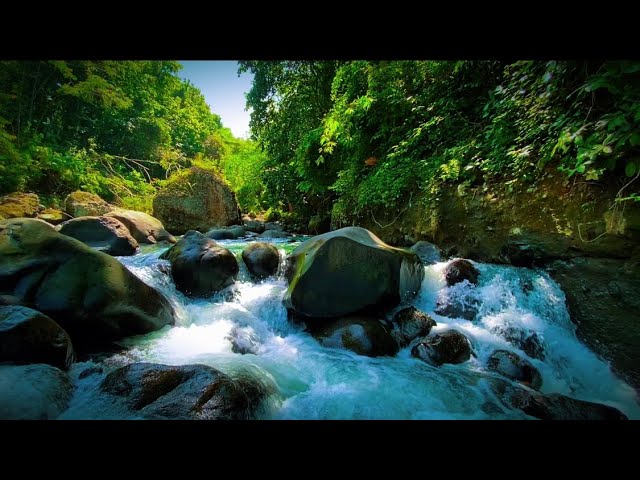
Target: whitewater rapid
309,381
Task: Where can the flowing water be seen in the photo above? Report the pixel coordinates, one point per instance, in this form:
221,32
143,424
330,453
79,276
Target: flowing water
309,381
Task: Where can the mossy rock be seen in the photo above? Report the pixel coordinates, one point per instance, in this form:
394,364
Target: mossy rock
53,216
195,199
88,293
85,204
349,270
19,205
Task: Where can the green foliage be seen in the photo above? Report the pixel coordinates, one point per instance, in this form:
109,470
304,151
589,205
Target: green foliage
359,137
109,127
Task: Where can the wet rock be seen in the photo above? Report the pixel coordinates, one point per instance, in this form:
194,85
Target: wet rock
450,346
88,293
244,340
362,335
457,307
559,407
105,234
460,270
33,392
142,226
85,204
273,226
188,392
409,324
428,252
230,233
199,266
603,301
348,270
254,226
512,366
528,341
28,336
53,216
19,205
195,199
220,234
90,372
262,259
273,234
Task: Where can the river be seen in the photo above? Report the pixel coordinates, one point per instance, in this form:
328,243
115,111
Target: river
309,381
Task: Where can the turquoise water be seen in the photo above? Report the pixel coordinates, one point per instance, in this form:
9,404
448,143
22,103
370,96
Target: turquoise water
313,382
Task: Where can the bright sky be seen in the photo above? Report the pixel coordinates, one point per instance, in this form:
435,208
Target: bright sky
223,90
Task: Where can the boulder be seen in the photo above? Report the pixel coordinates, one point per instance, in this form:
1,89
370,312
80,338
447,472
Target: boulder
230,233
33,392
85,204
273,226
512,366
273,234
262,259
199,266
428,252
558,407
460,270
254,226
53,216
17,205
142,226
195,199
28,336
105,234
409,324
88,293
349,270
187,392
362,335
450,346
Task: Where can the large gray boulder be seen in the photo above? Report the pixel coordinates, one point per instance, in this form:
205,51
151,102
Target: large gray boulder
199,266
142,226
195,199
85,204
19,205
349,270
88,293
428,252
28,336
105,234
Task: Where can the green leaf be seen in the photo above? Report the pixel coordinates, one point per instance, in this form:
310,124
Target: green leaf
630,169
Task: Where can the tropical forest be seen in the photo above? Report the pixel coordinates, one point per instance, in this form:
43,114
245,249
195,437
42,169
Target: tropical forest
319,240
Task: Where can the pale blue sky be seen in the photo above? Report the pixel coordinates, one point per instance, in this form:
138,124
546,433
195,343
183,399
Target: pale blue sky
222,89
